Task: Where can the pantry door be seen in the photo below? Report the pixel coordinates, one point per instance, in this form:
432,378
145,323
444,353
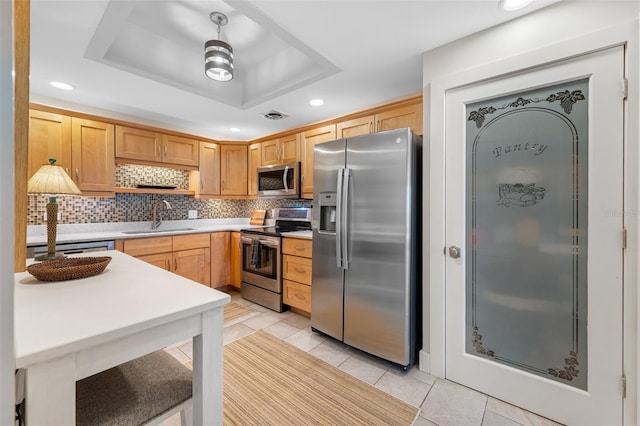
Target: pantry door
534,201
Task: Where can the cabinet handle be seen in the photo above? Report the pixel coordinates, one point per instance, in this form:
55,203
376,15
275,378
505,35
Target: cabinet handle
66,169
175,264
378,126
299,248
371,127
299,297
302,271
77,174
168,265
159,153
165,150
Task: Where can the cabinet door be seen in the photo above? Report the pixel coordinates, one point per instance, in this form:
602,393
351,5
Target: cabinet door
233,170
161,260
191,241
355,127
179,150
255,161
297,246
194,264
296,295
270,152
220,259
236,260
139,247
209,168
138,144
49,137
92,155
296,268
309,139
408,116
290,148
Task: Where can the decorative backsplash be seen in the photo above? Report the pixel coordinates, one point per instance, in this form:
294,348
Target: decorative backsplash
137,207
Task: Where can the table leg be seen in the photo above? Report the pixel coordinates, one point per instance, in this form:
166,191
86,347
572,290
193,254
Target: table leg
207,370
50,392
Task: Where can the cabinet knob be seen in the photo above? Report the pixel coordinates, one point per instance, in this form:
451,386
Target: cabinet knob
455,252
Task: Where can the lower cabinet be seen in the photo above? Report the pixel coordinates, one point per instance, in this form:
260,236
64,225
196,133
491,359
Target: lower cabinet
220,259
296,273
236,260
185,255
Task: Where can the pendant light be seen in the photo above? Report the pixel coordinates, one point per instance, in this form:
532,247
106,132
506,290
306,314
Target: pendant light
218,55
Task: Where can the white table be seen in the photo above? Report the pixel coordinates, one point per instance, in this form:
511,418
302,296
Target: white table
66,331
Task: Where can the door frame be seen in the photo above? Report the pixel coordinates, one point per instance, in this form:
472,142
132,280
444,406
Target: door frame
433,356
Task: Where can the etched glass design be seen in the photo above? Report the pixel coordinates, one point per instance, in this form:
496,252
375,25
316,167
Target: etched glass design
526,222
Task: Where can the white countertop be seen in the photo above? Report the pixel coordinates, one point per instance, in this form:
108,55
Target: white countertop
37,234
307,235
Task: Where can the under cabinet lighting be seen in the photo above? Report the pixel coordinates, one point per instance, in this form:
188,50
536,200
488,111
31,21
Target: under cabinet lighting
61,86
510,5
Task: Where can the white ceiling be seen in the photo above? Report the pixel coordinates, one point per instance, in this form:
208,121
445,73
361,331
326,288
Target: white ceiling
142,60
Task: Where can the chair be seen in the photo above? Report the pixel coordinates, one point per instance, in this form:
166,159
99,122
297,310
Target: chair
143,391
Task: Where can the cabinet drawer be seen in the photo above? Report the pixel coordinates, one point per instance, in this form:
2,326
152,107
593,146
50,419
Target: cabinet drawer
191,241
296,247
297,295
143,246
296,268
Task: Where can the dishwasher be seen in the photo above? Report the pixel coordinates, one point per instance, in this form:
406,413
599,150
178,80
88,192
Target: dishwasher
70,248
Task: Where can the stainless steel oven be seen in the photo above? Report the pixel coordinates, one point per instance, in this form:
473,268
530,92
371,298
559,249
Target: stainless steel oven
261,270
262,257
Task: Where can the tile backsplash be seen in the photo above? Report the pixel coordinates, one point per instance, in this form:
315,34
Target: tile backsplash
137,207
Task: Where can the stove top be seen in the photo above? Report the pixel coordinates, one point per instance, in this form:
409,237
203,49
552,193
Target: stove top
276,231
287,220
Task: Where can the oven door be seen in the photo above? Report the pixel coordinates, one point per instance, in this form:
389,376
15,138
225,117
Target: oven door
261,261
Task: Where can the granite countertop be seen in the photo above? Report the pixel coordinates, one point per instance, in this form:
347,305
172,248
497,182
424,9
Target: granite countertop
37,234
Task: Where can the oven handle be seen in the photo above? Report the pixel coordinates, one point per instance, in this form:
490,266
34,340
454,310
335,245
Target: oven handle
267,243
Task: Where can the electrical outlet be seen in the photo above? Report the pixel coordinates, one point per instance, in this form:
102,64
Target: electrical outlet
193,214
59,216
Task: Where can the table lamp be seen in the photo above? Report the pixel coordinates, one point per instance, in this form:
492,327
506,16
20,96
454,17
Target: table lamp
53,180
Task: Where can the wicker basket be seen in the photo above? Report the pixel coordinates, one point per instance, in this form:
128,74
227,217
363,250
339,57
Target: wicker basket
69,268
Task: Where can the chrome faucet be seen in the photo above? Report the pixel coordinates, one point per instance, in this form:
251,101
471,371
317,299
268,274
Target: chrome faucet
157,215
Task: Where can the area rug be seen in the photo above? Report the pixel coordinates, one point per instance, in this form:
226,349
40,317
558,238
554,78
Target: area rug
270,382
235,310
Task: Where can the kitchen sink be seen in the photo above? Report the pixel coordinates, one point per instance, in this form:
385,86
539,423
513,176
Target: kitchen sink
158,231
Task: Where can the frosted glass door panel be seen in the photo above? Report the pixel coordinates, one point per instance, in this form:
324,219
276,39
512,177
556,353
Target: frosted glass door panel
526,269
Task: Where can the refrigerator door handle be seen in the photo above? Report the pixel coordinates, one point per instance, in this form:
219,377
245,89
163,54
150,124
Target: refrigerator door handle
344,232
339,219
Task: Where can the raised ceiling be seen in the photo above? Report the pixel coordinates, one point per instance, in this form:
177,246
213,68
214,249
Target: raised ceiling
142,60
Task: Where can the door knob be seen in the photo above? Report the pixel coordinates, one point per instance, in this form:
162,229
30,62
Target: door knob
454,252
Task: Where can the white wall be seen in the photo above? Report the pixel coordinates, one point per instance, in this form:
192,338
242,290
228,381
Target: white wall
6,215
546,30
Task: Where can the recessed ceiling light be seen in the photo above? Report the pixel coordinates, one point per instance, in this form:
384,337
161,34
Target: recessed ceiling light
234,129
61,86
316,102
514,4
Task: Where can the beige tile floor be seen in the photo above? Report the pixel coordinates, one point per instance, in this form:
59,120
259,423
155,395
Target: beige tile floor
441,402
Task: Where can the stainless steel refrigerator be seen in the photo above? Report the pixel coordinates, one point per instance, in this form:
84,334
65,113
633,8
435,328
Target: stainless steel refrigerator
366,242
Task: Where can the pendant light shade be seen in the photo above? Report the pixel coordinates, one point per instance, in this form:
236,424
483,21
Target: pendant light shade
218,54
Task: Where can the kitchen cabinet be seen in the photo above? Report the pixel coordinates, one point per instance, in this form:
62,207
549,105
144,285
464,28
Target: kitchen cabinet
308,141
145,146
395,118
208,174
233,169
296,273
282,150
253,162
186,255
235,272
92,155
220,259
49,137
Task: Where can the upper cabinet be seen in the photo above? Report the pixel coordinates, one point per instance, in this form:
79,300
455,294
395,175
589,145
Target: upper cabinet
387,119
309,140
253,162
233,170
282,150
145,147
209,176
84,148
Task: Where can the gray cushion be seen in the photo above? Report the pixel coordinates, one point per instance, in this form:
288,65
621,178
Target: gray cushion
134,392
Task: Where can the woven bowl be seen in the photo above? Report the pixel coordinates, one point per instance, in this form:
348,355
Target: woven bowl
68,268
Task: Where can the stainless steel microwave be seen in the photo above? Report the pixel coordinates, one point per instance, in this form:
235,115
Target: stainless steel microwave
279,181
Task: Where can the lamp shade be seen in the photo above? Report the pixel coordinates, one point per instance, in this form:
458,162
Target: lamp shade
52,179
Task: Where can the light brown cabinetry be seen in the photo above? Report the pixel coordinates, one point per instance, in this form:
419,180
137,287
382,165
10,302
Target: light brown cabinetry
405,116
84,148
253,162
92,155
49,137
309,140
296,273
207,179
233,169
235,272
146,147
186,255
220,259
282,150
